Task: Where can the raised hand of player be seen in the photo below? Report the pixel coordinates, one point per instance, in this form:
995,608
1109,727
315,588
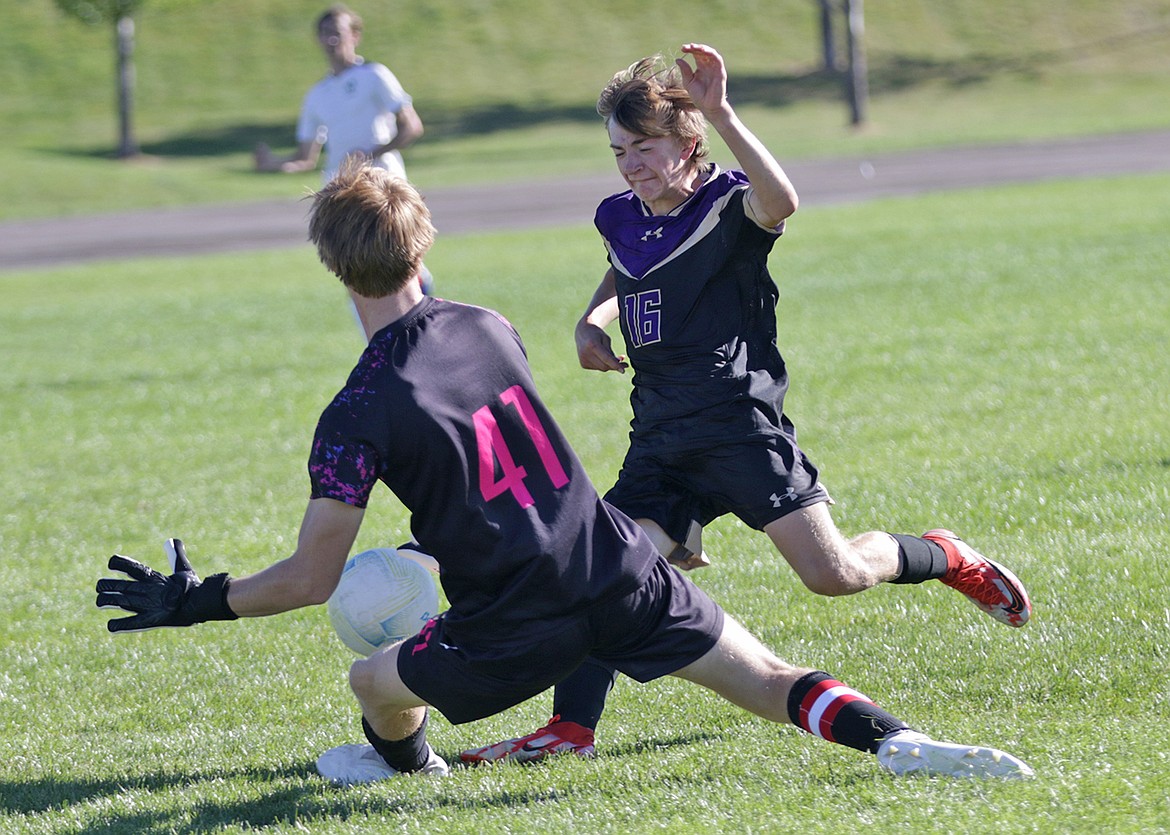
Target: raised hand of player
707,82
157,600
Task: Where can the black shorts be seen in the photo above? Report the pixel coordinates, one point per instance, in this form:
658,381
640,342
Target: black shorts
662,627
758,480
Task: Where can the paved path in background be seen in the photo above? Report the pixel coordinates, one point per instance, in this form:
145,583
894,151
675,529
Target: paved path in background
557,202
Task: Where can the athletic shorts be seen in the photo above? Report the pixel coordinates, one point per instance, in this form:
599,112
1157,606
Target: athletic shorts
663,626
758,480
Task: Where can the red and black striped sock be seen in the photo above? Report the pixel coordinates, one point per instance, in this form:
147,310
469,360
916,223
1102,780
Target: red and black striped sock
825,707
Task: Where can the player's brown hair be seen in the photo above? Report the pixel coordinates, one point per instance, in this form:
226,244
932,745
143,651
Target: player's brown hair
337,10
648,98
371,229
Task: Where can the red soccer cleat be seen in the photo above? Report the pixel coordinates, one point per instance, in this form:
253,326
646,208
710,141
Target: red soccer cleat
987,584
554,738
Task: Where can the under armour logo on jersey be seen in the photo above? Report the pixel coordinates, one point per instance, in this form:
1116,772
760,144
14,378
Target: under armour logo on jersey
789,495
656,233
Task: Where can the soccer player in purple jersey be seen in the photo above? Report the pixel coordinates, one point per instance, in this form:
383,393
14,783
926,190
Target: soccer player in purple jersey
688,247
539,571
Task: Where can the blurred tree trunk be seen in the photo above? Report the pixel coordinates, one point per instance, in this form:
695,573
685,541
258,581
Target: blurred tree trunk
857,78
828,40
124,45
119,13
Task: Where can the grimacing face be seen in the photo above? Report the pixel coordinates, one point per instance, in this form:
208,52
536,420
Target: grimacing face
659,169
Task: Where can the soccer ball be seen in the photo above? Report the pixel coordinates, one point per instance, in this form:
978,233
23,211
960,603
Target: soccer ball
382,597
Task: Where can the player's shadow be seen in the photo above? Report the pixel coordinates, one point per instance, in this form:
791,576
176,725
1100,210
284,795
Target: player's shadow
658,743
294,793
291,795
284,797
43,796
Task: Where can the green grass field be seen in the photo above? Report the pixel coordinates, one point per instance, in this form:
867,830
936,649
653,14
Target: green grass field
507,89
992,360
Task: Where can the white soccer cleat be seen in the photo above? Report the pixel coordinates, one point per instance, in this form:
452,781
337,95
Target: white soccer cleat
349,765
908,752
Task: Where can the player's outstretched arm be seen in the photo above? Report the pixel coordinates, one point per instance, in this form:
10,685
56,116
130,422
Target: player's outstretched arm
304,158
155,600
772,197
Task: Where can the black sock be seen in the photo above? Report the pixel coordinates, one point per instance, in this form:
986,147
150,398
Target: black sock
919,559
580,697
403,755
825,707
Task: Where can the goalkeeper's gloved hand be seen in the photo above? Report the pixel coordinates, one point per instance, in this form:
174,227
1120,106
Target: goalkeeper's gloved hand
157,600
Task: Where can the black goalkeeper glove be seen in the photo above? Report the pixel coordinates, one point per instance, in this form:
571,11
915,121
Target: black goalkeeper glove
157,600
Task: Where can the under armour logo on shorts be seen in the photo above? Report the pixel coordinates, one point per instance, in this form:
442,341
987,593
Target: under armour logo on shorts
789,495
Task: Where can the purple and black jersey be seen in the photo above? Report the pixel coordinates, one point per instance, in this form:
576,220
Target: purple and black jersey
442,409
697,310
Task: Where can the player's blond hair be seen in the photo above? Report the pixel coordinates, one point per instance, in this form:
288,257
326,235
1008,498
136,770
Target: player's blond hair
371,229
648,98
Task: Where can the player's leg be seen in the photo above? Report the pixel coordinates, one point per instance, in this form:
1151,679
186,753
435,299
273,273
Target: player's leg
579,698
772,486
687,554
824,560
829,564
394,721
578,701
433,668
746,673
742,670
388,706
654,493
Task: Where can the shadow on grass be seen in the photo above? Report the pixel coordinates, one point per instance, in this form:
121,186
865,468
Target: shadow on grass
887,73
289,795
33,797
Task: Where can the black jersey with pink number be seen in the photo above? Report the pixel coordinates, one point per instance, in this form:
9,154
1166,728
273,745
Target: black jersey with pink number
442,409
698,314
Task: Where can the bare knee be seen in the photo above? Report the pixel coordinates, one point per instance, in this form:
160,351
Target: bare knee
833,570
825,561
390,706
361,678
828,581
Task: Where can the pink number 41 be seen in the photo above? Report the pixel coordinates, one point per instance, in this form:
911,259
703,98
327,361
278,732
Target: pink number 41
493,449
